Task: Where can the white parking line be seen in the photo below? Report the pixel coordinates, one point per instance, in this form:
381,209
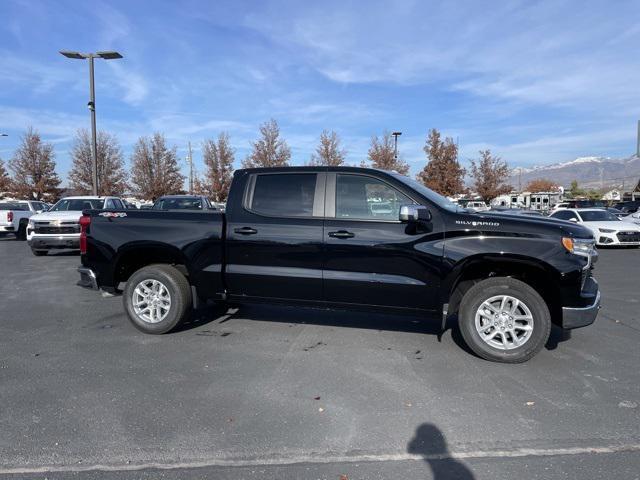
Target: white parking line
323,459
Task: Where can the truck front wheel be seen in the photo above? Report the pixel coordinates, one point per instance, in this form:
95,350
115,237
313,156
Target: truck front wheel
157,298
504,320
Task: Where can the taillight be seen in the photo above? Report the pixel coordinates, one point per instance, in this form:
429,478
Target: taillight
85,221
9,216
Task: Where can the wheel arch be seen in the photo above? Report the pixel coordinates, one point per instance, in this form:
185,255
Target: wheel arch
133,256
541,276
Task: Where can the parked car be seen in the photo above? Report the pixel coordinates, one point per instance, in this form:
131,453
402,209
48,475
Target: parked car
306,236
182,202
578,204
58,228
630,206
477,206
618,213
632,218
14,217
606,227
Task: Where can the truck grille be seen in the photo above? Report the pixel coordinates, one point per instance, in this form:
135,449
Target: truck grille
628,236
54,228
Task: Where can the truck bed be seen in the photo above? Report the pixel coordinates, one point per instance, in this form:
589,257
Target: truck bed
191,239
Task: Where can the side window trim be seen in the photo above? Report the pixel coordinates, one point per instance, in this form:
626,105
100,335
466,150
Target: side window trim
330,198
318,199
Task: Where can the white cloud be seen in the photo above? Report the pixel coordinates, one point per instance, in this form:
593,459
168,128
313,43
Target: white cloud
545,52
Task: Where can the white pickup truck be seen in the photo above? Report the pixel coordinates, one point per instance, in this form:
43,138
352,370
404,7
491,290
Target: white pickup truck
59,227
14,215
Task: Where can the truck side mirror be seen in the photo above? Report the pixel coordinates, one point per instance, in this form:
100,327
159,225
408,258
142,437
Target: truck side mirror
414,213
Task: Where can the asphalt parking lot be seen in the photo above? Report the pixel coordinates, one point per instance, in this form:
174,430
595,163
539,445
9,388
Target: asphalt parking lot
274,392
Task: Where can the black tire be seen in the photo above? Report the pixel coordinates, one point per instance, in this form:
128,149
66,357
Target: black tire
179,293
21,234
39,253
492,287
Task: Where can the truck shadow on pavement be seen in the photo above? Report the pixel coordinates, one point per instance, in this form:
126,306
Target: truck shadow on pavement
427,325
430,443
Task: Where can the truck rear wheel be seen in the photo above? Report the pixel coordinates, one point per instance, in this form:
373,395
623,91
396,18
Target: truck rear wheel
504,320
157,298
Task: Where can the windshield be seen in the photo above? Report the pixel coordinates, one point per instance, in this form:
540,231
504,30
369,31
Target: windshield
77,204
188,203
429,194
598,216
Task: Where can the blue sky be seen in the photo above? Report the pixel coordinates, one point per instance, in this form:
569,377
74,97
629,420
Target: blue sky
536,82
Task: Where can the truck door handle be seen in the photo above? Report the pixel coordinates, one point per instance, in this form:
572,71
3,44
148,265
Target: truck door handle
342,234
246,231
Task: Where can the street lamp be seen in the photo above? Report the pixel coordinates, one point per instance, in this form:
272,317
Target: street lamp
395,147
92,104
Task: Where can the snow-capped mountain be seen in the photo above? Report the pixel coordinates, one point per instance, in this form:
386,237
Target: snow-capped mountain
589,172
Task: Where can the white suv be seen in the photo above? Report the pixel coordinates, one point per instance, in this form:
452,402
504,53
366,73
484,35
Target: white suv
59,227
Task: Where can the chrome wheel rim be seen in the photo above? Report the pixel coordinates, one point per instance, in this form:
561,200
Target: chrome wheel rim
504,322
151,301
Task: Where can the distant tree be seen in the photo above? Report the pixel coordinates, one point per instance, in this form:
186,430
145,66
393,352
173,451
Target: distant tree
542,185
218,158
382,155
154,168
200,186
442,173
593,194
5,180
270,150
328,152
575,190
112,177
34,168
489,174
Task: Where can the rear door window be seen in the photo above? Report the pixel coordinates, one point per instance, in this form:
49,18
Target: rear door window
284,195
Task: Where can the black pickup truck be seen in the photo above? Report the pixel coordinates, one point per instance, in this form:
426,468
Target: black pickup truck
346,237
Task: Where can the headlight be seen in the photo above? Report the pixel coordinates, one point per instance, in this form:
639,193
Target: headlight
606,230
31,224
579,246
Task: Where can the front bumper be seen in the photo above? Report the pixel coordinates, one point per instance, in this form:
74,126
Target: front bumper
87,278
576,317
46,243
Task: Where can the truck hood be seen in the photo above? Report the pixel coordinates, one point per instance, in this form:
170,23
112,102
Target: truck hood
529,224
62,216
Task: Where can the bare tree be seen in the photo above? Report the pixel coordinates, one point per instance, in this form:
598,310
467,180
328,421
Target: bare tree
442,173
328,152
270,150
154,168
382,155
34,167
489,174
542,185
5,180
112,177
218,157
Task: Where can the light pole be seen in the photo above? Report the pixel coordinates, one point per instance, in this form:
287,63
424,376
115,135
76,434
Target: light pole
92,104
395,146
